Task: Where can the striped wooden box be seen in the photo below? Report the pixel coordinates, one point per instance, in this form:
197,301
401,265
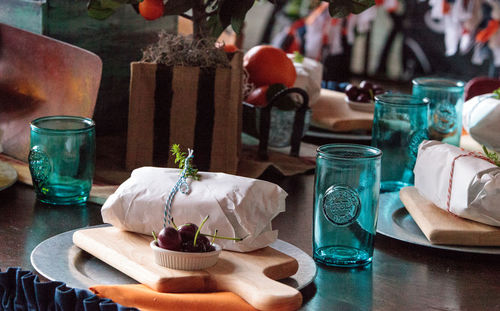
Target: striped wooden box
198,109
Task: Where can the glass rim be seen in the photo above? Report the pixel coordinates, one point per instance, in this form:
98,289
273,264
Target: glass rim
366,152
90,124
444,82
405,100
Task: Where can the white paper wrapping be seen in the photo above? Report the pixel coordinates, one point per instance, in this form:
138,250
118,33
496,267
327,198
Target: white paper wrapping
309,76
237,206
481,115
475,192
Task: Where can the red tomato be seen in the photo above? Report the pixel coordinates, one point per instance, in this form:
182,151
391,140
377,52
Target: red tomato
258,96
230,48
151,9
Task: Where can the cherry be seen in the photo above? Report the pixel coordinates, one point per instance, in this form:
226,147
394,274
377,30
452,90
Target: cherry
351,91
169,238
191,248
363,98
203,240
366,86
187,231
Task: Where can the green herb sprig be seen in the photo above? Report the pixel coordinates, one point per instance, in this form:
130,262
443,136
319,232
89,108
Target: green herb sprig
493,156
180,159
497,93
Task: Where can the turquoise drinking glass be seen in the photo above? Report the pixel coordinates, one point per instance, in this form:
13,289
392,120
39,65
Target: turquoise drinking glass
346,194
399,126
446,102
62,159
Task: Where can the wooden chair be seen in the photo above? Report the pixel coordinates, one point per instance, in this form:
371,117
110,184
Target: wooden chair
40,76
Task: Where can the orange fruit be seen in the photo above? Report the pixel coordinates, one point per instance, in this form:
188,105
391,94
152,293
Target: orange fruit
268,65
230,48
258,97
151,9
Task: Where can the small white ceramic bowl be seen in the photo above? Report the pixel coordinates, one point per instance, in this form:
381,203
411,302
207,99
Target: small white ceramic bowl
359,106
184,260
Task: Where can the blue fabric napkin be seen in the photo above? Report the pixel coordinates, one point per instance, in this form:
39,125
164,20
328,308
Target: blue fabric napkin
21,290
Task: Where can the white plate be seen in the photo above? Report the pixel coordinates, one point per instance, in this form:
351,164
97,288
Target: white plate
57,258
394,221
359,106
8,175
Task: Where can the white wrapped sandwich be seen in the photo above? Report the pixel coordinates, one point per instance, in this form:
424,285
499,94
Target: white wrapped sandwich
237,206
461,182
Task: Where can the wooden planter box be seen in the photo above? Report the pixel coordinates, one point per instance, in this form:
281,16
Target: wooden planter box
186,106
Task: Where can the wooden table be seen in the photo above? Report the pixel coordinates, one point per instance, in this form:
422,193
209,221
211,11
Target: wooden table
402,276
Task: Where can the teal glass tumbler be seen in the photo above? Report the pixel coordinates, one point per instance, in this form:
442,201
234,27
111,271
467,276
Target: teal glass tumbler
446,103
346,195
399,126
62,159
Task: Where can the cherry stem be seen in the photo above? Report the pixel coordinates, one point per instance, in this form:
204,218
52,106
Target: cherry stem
213,238
198,231
221,237
173,223
154,237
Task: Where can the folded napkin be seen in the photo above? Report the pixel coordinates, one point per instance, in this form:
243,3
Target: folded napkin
237,206
142,297
462,182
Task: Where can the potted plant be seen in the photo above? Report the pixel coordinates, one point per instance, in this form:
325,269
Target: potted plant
210,17
183,91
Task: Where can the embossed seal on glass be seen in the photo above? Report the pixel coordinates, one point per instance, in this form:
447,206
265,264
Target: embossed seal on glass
341,205
444,118
39,164
416,138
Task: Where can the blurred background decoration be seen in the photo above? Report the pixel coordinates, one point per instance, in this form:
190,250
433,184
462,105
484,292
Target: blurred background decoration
393,40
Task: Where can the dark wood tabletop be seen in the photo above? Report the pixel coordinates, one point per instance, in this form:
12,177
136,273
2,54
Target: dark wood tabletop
403,276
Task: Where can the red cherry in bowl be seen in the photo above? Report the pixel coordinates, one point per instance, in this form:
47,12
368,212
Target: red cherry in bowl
169,238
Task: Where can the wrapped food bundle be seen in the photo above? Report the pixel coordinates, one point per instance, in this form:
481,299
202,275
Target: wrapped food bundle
464,183
480,118
237,206
309,76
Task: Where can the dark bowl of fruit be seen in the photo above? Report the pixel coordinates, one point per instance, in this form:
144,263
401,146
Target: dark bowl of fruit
361,97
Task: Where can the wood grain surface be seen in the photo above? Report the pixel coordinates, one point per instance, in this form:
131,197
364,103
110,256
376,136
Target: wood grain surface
331,112
442,227
250,275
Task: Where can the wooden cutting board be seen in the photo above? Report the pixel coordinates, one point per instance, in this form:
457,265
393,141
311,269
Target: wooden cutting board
250,275
331,112
442,227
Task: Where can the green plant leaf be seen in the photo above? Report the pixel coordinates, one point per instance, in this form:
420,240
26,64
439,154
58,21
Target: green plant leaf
176,7
497,93
240,9
97,11
233,12
102,9
297,57
112,4
215,26
342,8
493,156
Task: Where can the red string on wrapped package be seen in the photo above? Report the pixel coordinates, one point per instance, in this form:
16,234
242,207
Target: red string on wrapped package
450,184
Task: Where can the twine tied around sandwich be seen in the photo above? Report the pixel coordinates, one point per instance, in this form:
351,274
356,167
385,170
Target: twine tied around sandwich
181,185
450,183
